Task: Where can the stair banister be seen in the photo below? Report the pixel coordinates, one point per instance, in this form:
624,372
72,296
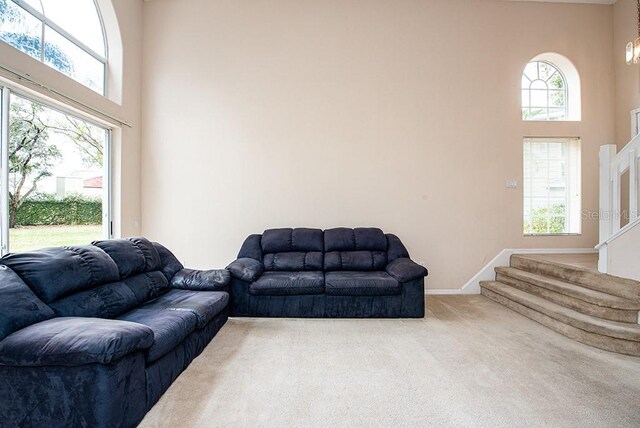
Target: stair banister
612,166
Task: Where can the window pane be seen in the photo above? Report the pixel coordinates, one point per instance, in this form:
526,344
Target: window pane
68,58
79,18
556,98
538,98
525,98
547,186
531,71
556,81
21,29
55,178
539,85
35,4
557,114
545,70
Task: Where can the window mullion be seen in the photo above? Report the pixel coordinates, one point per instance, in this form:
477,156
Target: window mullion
4,169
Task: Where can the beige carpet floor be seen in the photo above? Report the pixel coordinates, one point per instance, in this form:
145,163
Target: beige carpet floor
470,362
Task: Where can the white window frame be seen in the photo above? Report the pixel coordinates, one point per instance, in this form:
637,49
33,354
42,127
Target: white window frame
564,90
572,82
60,30
5,111
573,193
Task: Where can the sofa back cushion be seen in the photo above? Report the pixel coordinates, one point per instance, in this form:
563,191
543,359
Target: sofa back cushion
52,273
19,307
359,249
132,255
298,249
113,299
169,263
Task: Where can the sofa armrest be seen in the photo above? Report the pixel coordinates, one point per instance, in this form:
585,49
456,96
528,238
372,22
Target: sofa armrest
405,269
201,280
246,269
74,341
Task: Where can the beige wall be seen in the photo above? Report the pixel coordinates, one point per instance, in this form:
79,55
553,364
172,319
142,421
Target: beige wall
627,78
398,114
125,92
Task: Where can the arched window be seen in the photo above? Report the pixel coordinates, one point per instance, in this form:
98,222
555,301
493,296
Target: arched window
67,35
544,92
550,89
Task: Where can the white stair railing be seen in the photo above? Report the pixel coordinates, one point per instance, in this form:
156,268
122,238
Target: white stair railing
612,167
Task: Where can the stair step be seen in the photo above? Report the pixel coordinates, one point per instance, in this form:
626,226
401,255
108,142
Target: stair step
604,334
621,287
581,299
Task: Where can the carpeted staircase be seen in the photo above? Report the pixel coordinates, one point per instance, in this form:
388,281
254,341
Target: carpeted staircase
593,308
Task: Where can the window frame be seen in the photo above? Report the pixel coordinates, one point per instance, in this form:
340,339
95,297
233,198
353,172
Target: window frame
47,22
565,90
573,186
107,202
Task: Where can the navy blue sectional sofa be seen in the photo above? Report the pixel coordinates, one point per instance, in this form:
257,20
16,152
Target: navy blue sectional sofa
333,273
93,335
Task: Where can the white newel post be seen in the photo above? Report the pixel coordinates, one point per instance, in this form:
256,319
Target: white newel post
607,212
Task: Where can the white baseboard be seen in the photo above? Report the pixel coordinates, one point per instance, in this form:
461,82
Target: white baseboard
487,273
441,291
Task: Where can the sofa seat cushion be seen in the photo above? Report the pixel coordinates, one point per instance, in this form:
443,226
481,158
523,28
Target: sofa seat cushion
361,284
169,328
205,305
74,341
288,284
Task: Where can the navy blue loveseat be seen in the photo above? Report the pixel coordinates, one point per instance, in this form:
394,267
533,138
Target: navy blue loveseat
93,335
338,272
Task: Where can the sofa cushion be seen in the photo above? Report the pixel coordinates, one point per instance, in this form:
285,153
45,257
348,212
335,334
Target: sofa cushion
355,260
55,272
358,239
355,249
132,255
204,304
19,307
147,286
293,261
292,249
169,328
74,342
361,284
288,240
104,301
113,299
169,263
288,283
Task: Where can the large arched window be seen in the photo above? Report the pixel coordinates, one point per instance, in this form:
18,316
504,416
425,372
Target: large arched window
67,35
550,89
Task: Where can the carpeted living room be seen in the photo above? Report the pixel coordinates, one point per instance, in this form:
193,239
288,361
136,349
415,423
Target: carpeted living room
335,213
